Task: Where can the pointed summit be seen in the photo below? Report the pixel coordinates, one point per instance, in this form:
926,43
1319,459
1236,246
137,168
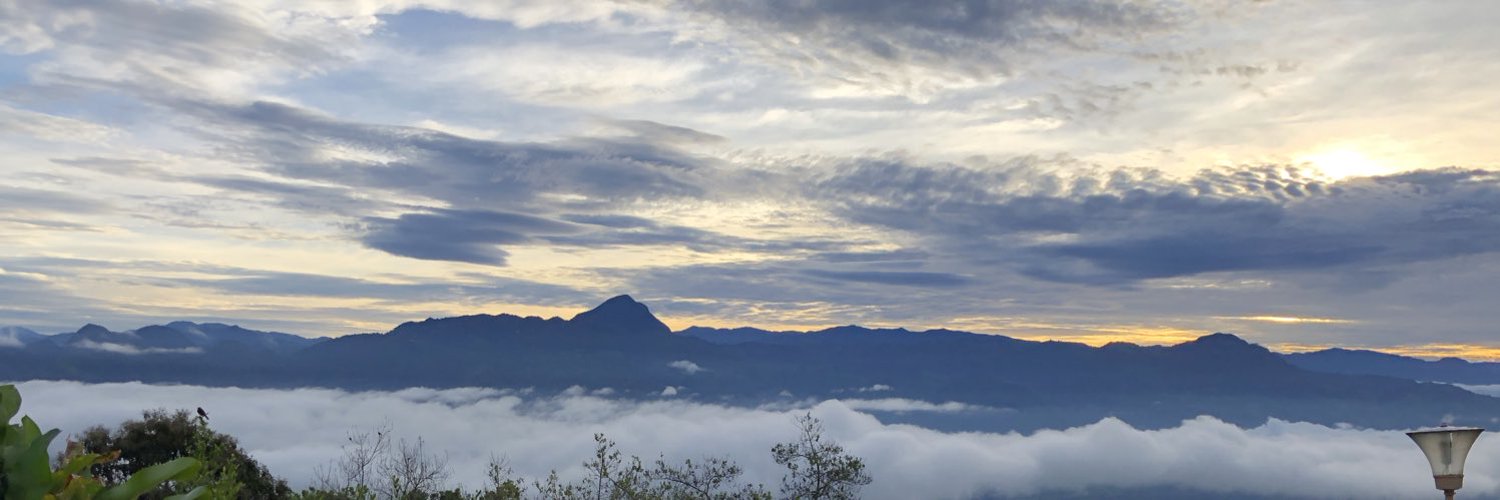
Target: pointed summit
91,333
620,314
1220,339
1223,344
91,330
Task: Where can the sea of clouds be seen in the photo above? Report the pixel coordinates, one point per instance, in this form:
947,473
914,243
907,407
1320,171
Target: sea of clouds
294,431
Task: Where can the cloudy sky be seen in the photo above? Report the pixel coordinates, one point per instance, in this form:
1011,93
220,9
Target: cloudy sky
1300,173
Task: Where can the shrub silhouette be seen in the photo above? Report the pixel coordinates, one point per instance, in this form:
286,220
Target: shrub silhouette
27,474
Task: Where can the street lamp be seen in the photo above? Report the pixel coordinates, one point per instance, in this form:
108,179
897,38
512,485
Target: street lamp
1446,448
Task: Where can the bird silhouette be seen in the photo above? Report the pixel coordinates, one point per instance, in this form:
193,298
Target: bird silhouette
202,413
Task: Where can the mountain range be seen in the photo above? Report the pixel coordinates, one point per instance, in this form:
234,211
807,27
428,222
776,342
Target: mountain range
979,381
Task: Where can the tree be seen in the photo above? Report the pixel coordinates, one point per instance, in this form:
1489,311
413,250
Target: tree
411,473
710,479
160,436
371,468
502,484
612,477
355,472
818,469
25,473
221,463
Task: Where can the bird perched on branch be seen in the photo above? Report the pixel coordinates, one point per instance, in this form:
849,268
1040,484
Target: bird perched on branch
202,413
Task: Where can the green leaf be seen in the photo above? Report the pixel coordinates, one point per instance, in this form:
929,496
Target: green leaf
191,495
10,402
75,465
149,478
79,488
28,474
29,429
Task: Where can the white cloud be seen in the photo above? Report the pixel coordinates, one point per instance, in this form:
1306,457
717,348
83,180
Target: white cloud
293,430
51,127
131,350
560,76
687,366
1492,390
875,388
670,391
907,405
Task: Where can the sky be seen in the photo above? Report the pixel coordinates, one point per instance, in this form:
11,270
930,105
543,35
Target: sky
1303,174
537,433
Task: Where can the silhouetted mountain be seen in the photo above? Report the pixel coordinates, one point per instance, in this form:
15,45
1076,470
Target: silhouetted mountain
15,336
1451,370
219,334
180,337
1004,383
619,315
91,333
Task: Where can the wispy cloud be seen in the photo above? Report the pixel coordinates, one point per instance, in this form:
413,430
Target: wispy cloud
1290,319
686,366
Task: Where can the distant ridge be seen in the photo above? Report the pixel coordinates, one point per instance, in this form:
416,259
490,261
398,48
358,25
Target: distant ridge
1363,362
1010,384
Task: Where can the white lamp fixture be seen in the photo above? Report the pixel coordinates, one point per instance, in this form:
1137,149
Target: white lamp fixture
1446,448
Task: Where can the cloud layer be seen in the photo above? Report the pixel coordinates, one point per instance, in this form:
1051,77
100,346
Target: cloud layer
1074,168
292,431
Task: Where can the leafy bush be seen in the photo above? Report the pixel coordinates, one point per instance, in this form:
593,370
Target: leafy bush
159,435
27,474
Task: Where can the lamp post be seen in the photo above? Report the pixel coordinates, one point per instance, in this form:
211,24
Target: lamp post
1446,448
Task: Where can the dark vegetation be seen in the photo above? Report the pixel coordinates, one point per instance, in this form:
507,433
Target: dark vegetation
27,474
160,436
176,456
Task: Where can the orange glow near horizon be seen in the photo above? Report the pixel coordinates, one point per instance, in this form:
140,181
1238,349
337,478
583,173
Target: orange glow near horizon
1470,352
1290,319
1133,335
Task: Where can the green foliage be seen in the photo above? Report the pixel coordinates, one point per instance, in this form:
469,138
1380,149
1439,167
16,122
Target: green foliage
818,469
159,436
711,479
502,486
345,493
221,470
613,477
192,461
26,473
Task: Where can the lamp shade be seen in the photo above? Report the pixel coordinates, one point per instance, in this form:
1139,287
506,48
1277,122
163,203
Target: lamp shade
1446,447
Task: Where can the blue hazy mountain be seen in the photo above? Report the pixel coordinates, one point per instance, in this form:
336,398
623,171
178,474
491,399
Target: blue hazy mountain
15,336
1360,362
1003,383
178,337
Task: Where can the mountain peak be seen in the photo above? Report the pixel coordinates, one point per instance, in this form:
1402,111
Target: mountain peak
1222,344
621,313
1220,339
93,329
622,300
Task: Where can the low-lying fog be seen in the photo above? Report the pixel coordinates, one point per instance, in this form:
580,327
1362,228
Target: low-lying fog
293,431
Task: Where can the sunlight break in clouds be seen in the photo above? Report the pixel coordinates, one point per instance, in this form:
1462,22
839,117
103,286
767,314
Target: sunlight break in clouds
292,431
